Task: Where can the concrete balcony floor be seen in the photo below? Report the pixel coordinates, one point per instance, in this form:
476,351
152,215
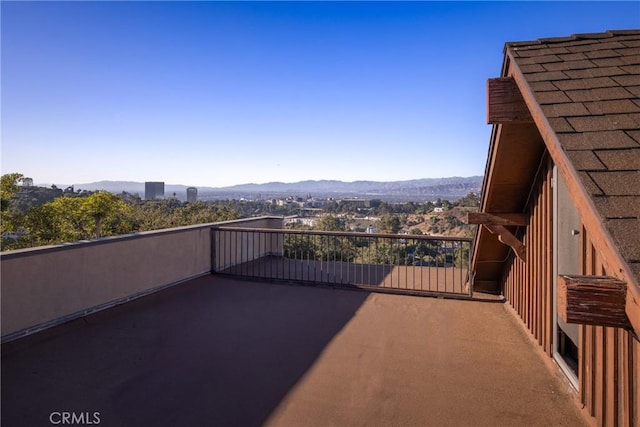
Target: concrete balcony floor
221,352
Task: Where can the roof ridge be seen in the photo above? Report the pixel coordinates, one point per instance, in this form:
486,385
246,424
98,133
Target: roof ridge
577,36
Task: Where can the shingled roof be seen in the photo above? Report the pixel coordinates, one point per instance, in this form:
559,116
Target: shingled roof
574,101
588,88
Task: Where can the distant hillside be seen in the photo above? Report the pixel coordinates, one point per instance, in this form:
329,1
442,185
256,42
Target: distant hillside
113,186
361,187
416,189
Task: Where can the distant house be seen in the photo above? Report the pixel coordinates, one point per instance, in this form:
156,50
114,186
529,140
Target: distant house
560,210
315,203
296,219
438,210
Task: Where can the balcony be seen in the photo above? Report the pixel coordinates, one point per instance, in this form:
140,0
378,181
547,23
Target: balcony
407,264
137,330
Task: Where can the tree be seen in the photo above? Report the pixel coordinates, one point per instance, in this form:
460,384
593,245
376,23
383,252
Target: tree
329,223
201,213
72,222
461,255
470,200
102,205
389,223
11,217
44,227
9,188
70,218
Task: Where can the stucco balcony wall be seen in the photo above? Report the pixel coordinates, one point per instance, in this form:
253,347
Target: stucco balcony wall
48,285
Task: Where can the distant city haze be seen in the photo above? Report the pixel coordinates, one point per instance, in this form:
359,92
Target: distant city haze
225,93
451,188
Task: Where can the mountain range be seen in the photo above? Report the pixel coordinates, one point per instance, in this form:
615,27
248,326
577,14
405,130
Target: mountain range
415,189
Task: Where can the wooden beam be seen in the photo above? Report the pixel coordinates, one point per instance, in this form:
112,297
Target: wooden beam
497,218
593,300
505,103
506,237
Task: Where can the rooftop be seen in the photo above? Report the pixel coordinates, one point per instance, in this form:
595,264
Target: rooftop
579,100
219,351
588,88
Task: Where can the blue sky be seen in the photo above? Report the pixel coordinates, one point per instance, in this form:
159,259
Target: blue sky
224,93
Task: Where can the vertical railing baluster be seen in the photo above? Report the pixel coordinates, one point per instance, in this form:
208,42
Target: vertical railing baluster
390,261
262,256
446,268
438,268
244,268
334,239
295,244
308,246
228,243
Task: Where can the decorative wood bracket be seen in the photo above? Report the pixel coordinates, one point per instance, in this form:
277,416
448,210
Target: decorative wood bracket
495,223
506,237
505,103
593,300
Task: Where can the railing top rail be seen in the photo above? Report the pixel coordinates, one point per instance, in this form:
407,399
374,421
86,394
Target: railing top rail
344,234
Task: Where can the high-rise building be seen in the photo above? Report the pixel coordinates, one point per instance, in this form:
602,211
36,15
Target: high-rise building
153,190
192,194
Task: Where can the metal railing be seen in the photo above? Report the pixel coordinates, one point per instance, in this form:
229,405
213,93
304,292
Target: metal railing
392,262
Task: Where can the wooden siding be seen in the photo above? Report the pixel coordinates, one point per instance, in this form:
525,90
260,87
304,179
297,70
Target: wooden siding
528,286
609,361
609,358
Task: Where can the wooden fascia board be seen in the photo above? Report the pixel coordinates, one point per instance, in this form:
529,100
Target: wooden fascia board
515,219
633,307
496,133
592,300
486,185
505,103
602,241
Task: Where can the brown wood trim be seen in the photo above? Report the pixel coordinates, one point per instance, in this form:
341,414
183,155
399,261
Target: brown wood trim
505,103
506,237
549,258
633,308
592,300
612,259
517,219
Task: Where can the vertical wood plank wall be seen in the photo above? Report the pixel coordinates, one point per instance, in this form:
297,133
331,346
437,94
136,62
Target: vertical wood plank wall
528,287
609,362
609,358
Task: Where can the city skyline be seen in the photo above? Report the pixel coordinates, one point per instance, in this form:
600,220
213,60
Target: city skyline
219,94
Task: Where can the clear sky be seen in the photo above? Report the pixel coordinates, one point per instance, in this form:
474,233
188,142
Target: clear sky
217,93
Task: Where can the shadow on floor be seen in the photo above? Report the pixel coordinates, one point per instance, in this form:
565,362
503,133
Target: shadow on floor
212,351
